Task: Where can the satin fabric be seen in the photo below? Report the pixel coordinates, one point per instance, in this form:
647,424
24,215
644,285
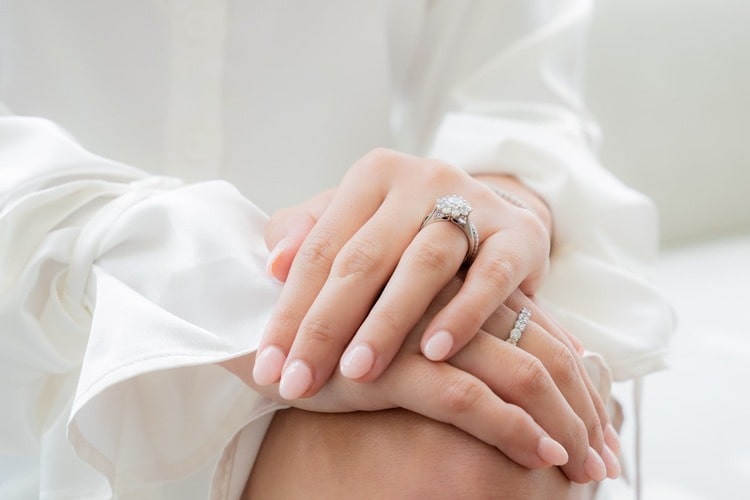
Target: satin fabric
128,273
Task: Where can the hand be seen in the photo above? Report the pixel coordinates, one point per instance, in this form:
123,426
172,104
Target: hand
366,271
558,351
519,399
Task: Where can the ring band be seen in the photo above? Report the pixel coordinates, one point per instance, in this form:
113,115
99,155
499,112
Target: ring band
521,322
455,209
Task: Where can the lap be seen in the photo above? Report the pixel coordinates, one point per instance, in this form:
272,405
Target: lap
390,454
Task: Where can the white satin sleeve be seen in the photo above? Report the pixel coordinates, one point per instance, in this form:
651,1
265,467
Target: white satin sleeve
517,110
119,293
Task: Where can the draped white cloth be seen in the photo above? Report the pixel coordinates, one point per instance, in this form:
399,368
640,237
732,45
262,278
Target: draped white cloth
122,287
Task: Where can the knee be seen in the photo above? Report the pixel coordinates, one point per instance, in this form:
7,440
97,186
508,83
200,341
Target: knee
471,469
397,454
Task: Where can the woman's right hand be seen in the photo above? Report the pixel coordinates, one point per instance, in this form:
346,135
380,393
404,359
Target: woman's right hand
534,401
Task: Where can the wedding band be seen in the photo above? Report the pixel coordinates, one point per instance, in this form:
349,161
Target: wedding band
456,210
521,322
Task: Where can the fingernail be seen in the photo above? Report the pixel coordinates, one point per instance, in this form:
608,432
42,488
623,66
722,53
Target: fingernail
438,346
268,363
552,452
594,466
296,380
611,462
357,362
273,257
611,438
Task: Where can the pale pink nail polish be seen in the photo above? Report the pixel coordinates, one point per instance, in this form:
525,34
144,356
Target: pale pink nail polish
612,439
282,245
438,346
552,452
594,466
611,462
357,362
296,380
268,363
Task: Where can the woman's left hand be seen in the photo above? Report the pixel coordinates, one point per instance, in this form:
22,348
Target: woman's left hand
365,274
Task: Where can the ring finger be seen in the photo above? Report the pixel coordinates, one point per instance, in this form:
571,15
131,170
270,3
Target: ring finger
560,363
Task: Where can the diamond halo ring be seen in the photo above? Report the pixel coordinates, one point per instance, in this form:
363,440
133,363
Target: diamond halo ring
456,209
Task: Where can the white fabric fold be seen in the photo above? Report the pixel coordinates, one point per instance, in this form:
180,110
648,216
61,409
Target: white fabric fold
520,112
603,233
120,298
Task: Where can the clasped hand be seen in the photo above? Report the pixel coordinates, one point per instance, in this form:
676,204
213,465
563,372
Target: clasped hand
366,288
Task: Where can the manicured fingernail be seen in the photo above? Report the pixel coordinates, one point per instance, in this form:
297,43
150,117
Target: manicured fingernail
594,466
610,460
611,438
274,256
439,345
268,363
552,452
357,362
296,380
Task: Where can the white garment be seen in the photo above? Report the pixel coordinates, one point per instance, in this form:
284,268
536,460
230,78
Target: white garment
122,287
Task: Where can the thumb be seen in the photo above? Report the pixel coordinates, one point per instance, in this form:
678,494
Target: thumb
288,228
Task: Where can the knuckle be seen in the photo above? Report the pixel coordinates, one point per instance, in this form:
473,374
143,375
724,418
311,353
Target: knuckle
594,429
317,252
431,258
388,321
437,172
469,314
500,271
532,377
461,395
379,158
358,257
578,437
318,331
564,367
518,426
539,233
516,421
285,321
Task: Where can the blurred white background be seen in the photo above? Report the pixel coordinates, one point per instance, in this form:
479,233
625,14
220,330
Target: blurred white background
669,81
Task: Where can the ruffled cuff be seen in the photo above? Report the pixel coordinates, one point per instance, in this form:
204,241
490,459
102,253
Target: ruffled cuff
178,286
120,293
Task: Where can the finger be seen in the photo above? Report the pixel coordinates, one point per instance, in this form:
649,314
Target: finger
597,433
558,361
522,379
426,266
447,394
503,262
357,276
308,273
287,229
364,187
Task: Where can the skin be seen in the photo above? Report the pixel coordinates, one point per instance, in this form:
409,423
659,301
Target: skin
364,455
359,282
311,454
488,381
327,286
